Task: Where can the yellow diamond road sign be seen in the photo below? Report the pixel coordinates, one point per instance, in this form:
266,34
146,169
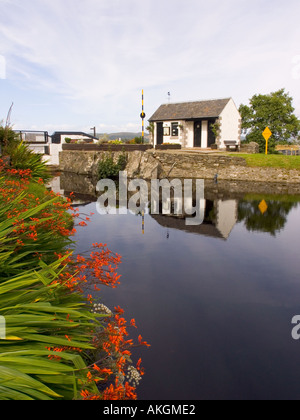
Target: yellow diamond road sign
267,134
263,207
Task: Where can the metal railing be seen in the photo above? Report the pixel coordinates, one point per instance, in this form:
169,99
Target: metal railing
38,141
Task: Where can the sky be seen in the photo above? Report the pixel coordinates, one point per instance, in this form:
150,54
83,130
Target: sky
74,64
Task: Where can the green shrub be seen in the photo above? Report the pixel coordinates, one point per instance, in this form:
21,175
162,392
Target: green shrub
104,139
68,140
115,142
8,139
109,169
36,309
122,162
24,158
138,140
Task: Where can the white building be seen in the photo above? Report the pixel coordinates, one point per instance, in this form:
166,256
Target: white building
219,226
50,146
190,124
61,137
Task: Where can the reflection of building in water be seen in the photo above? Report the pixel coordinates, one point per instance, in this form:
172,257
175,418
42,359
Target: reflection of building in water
227,216
218,210
57,185
220,217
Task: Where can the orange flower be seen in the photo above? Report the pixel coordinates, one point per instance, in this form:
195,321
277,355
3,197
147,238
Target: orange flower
143,343
132,323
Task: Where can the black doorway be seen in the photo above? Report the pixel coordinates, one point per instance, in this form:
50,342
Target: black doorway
160,133
197,133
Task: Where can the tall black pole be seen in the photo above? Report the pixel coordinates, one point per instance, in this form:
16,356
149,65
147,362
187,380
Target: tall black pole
143,115
94,130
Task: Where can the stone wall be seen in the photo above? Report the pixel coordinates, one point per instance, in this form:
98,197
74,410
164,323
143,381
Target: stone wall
249,147
85,188
106,147
178,164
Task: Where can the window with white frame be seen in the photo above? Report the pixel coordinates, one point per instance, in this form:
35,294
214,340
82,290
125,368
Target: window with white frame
166,131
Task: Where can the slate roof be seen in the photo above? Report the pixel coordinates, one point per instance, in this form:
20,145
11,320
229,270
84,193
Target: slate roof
190,110
173,222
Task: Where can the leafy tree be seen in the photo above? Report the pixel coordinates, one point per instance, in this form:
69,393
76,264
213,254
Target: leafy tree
275,111
151,129
273,221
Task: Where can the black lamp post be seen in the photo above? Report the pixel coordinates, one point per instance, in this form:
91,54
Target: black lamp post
143,116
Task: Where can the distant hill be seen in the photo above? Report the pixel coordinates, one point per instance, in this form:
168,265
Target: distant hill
122,135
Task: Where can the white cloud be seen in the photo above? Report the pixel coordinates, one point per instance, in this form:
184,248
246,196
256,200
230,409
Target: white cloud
2,67
97,55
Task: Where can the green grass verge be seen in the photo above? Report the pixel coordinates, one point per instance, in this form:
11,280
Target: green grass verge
271,161
285,198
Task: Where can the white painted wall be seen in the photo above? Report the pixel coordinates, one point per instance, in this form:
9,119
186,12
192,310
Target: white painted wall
55,149
230,124
171,139
190,133
230,129
227,216
54,184
204,136
38,148
167,139
185,135
63,137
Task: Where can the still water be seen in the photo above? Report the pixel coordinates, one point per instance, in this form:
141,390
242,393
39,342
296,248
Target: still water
214,301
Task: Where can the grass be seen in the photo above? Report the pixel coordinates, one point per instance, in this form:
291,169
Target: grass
285,198
271,161
36,307
57,345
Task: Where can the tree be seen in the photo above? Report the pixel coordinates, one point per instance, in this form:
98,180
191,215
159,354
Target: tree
273,221
275,111
151,129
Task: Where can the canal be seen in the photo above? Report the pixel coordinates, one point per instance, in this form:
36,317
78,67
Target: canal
215,301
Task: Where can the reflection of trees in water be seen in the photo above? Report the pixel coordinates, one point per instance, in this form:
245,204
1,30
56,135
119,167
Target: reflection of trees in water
273,221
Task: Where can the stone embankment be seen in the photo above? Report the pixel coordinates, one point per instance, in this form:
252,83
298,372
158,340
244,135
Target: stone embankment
152,164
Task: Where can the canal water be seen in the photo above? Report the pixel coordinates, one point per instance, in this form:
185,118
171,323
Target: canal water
215,301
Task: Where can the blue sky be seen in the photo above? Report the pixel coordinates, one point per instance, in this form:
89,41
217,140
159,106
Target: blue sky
74,64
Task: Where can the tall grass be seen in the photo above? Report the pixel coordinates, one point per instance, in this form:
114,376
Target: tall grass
57,345
42,318
23,158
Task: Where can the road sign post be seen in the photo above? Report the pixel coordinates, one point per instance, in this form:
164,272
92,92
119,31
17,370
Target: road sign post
267,134
263,206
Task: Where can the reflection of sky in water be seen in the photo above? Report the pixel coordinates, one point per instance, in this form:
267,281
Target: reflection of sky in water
217,313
